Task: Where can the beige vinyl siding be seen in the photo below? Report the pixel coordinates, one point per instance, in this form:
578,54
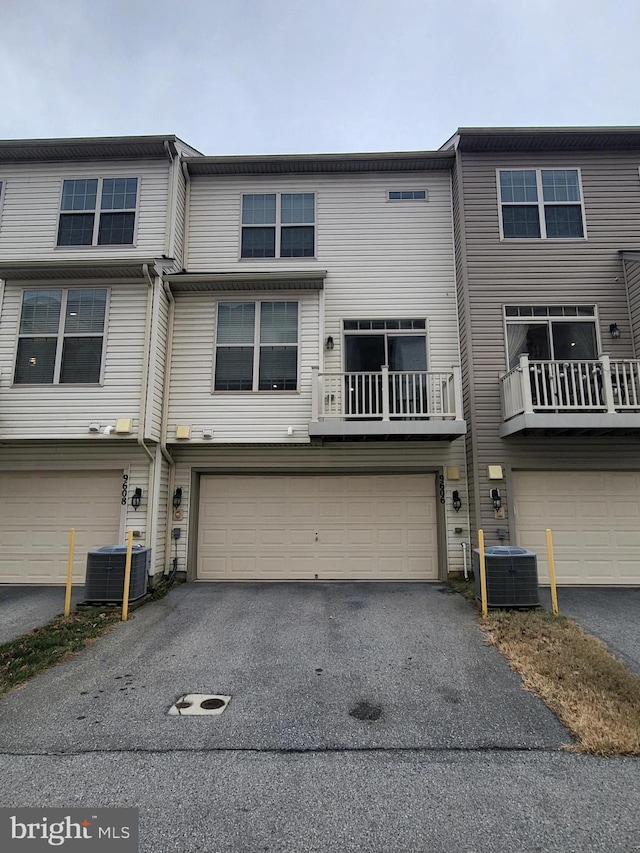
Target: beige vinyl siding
545,272
180,214
370,457
66,410
157,358
160,558
632,269
31,206
236,416
384,259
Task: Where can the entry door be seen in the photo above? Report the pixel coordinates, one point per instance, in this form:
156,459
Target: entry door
365,354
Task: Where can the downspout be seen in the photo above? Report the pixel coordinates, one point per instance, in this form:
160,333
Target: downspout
142,417
163,423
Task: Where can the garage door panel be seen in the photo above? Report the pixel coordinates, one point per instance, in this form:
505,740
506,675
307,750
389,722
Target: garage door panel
335,527
595,522
44,505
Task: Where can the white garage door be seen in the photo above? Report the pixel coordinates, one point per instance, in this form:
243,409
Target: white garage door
595,520
317,527
39,508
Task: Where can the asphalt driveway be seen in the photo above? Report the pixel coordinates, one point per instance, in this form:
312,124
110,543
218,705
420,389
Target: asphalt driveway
296,659
23,608
461,758
610,613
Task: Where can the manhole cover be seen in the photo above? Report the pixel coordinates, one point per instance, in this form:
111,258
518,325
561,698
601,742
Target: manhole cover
365,711
199,705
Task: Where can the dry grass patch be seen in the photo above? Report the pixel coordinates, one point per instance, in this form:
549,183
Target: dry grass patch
591,692
29,655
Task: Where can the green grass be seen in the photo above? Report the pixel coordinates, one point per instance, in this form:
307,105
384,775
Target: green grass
31,654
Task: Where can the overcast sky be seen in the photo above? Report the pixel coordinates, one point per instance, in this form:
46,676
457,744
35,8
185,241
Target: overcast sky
286,76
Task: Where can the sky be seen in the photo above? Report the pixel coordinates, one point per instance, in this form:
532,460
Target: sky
312,76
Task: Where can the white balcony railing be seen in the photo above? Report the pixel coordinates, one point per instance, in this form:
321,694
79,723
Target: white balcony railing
387,395
598,385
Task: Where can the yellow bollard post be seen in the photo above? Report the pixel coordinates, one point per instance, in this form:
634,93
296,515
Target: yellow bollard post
552,574
67,594
127,577
483,575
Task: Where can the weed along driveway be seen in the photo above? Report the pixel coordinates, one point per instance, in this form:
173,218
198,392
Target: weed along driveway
23,608
356,717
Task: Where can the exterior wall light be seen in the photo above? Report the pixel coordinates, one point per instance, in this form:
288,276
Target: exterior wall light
177,498
614,331
329,345
494,494
136,498
457,502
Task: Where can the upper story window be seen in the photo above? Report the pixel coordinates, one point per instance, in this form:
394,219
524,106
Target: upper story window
553,333
98,212
278,225
541,203
257,346
407,195
61,337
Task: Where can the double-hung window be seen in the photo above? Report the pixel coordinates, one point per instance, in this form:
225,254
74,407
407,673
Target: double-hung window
553,333
278,225
61,337
541,203
257,346
98,212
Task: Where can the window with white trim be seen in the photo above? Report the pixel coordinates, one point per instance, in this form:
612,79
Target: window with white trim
541,204
551,333
61,337
98,212
257,346
278,225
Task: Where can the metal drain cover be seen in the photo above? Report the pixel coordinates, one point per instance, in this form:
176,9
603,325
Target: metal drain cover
199,705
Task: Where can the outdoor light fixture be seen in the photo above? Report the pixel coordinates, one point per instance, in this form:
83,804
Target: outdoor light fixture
614,331
457,503
329,343
494,494
136,498
177,498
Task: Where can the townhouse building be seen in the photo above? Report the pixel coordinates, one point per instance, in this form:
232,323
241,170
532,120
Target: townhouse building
547,225
314,404
87,228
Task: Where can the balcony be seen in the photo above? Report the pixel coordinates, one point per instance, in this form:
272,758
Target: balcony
387,405
594,397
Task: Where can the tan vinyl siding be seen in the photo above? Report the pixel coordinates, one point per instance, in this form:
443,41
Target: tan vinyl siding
236,416
374,457
160,561
157,354
180,213
66,410
384,259
632,269
546,272
31,206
